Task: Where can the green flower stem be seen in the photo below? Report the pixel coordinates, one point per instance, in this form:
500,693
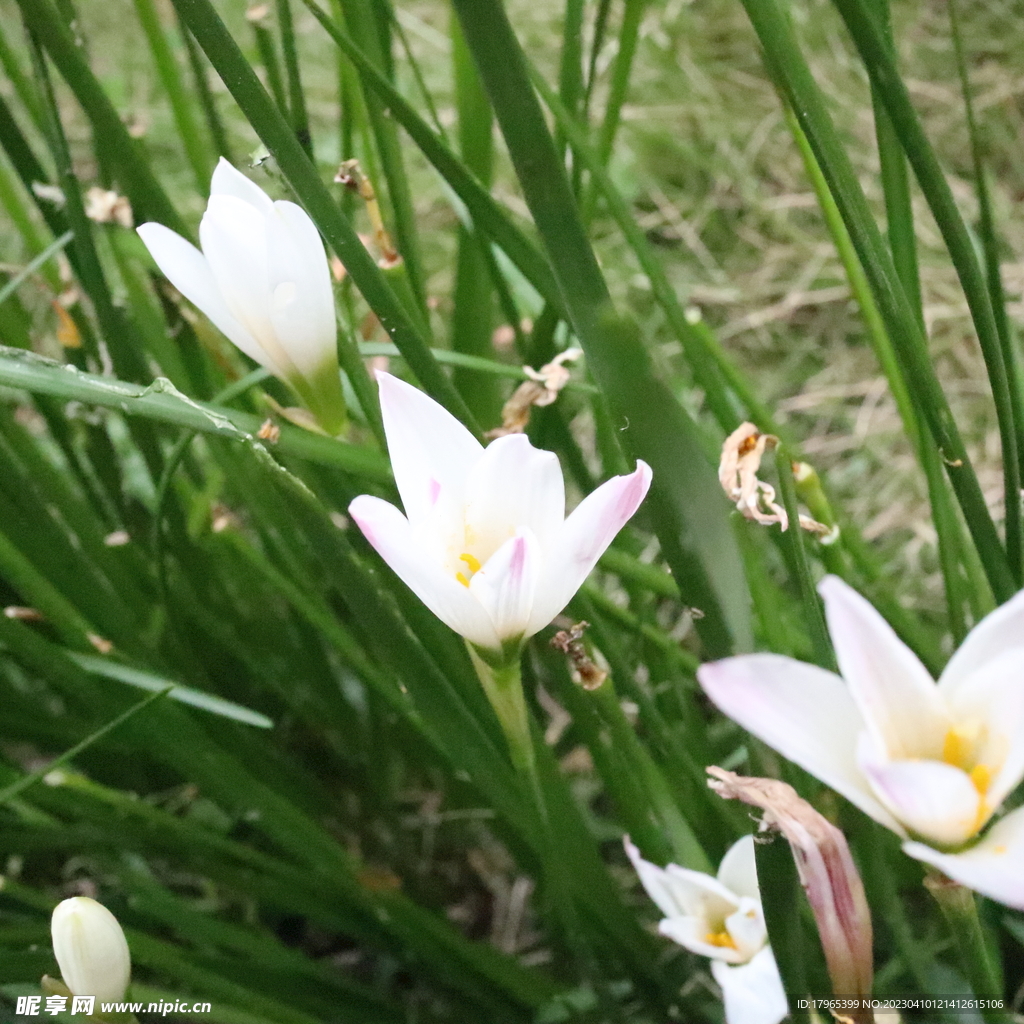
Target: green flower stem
814,616
960,910
500,674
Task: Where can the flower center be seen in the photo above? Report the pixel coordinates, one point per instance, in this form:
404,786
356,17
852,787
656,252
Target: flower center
959,750
472,564
721,939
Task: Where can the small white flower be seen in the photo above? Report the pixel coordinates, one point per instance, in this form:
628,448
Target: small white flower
933,762
90,949
484,542
264,281
721,918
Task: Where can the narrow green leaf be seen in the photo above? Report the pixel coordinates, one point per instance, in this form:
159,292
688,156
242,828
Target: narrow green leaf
685,498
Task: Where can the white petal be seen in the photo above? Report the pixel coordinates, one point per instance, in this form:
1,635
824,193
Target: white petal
234,239
513,484
188,270
738,870
90,949
752,992
301,298
506,584
746,927
932,799
897,697
803,712
431,451
995,867
227,181
584,537
991,701
999,632
656,882
391,535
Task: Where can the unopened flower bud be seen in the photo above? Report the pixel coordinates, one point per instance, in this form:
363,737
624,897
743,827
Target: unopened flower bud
90,949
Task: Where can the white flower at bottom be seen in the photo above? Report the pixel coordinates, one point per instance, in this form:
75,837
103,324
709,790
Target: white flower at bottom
931,761
90,949
721,918
485,543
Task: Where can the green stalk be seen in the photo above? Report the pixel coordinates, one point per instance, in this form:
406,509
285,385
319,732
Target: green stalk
268,58
472,316
181,103
789,68
214,123
148,199
990,240
685,497
950,539
162,403
814,616
23,86
960,909
1009,403
224,54
296,97
365,28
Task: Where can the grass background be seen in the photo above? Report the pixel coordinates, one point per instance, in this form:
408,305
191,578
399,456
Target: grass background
714,179
716,182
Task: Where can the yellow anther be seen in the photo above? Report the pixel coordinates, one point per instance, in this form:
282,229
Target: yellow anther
721,939
956,748
471,561
981,776
461,577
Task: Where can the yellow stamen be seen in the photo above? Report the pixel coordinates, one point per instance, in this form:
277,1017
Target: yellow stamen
461,577
981,776
472,562
721,939
956,748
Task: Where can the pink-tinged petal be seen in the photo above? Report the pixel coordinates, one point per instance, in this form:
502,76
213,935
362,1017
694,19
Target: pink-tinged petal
803,712
227,181
738,870
395,541
431,451
234,239
513,484
994,867
584,537
932,799
301,296
506,584
988,705
897,697
188,270
999,633
752,992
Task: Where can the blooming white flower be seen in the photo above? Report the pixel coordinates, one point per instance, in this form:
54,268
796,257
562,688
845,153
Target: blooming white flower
721,918
264,281
932,762
484,542
90,949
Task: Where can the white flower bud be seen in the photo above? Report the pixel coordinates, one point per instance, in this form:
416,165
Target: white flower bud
90,949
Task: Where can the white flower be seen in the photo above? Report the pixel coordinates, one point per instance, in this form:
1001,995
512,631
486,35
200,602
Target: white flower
932,762
721,918
484,542
90,949
264,281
